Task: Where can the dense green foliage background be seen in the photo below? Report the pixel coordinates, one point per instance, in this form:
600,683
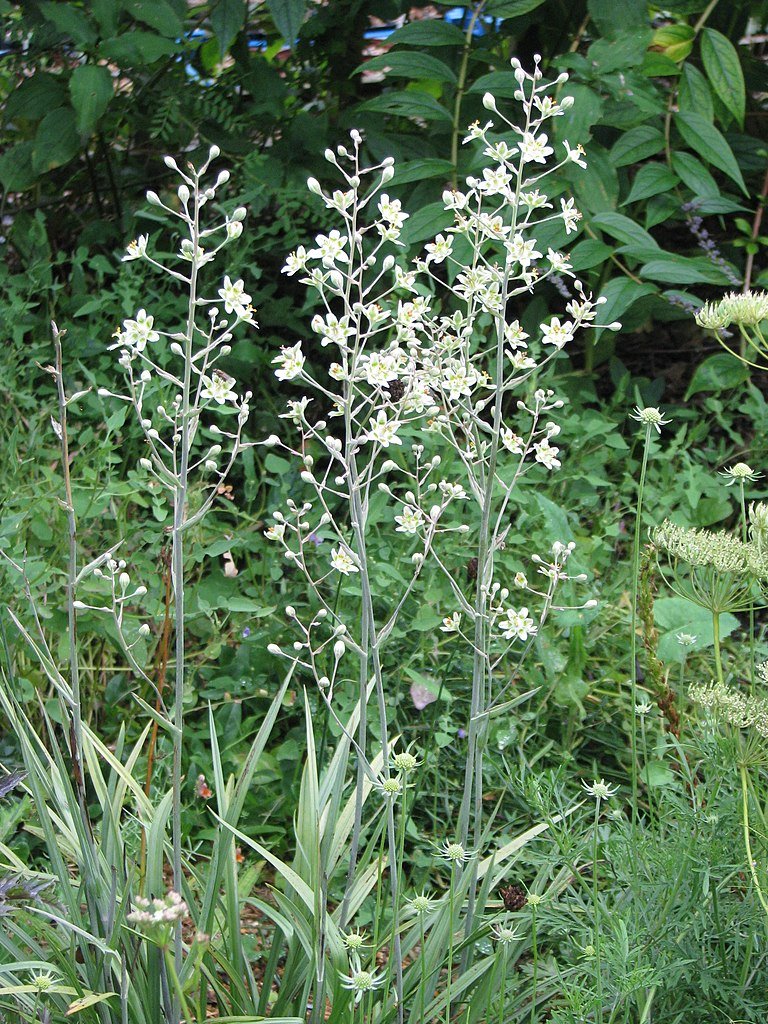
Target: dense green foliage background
671,107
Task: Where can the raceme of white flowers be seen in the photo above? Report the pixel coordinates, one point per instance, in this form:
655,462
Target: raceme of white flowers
172,378
431,351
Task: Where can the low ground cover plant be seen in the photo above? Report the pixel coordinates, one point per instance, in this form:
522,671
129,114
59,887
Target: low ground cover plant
423,439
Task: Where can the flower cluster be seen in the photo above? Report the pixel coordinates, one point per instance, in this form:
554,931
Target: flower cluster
157,917
738,710
718,550
744,309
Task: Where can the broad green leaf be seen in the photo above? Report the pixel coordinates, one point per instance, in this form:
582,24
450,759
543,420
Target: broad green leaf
287,16
710,144
658,65
430,32
511,8
132,49
16,170
695,175
227,19
426,223
720,372
107,13
616,18
589,253
674,41
723,68
36,97
422,169
576,124
501,83
683,270
675,615
637,144
409,64
621,293
56,140
91,90
625,229
656,774
694,95
158,14
625,51
649,181
597,187
408,104
70,22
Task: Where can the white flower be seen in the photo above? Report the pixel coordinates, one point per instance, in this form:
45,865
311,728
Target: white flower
454,853
343,561
512,441
600,789
275,532
219,387
391,211
575,155
650,417
361,982
495,181
557,334
234,297
740,473
384,431
558,261
451,623
380,369
514,335
571,216
295,262
534,148
331,329
521,251
410,521
546,454
454,491
521,580
290,362
517,625
439,250
136,249
138,332
330,249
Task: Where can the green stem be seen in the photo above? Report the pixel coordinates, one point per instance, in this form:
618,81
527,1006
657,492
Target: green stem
176,984
744,535
460,87
718,656
450,948
748,841
633,638
596,912
535,952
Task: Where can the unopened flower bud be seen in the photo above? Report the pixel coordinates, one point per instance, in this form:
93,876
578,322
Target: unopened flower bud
145,463
183,193
314,186
153,199
274,649
489,101
140,591
123,579
144,629
338,649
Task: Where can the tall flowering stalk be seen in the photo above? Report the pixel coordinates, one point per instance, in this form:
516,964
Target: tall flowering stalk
177,394
426,361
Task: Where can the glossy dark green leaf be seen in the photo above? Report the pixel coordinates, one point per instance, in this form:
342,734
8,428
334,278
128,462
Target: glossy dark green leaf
135,48
408,64
70,21
16,170
90,88
710,144
683,270
589,253
158,14
426,223
694,174
650,180
501,83
511,8
227,19
616,18
287,16
421,170
637,144
723,68
621,294
694,95
57,140
36,97
408,104
430,32
624,229
720,372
